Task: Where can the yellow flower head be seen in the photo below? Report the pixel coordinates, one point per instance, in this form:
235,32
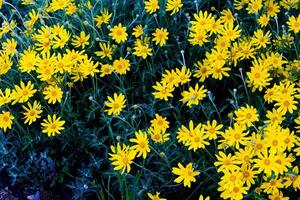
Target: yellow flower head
121,66
294,24
118,33
53,94
32,112
246,115
185,174
163,90
141,144
151,6
52,125
194,95
122,157
22,93
6,120
160,36
115,104
174,6
81,40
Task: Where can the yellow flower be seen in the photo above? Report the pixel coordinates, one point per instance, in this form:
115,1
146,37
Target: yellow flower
115,104
142,144
215,26
274,116
272,8
158,135
292,178
171,78
52,125
81,41
235,136
248,175
261,40
275,61
53,94
5,96
151,6
183,75
33,18
226,162
266,163
71,9
277,196
263,20
45,68
174,6
186,174
118,33
183,134
138,30
246,115
105,51
32,112
227,17
197,137
230,179
88,67
286,104
9,46
122,157
160,36
155,197
5,63
63,63
217,58
257,143
43,38
294,24
198,37
194,95
121,66
22,93
212,129
160,123
142,48
272,186
254,6
236,192
163,91
28,60
6,120
61,39
230,32
203,22
56,5
106,69
219,71
103,18
203,70
259,76
289,139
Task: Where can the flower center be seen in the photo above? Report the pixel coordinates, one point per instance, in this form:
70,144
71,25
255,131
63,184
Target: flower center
267,162
248,115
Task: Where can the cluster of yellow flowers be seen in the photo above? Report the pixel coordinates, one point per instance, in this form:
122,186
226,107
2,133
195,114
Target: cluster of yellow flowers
260,141
268,150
